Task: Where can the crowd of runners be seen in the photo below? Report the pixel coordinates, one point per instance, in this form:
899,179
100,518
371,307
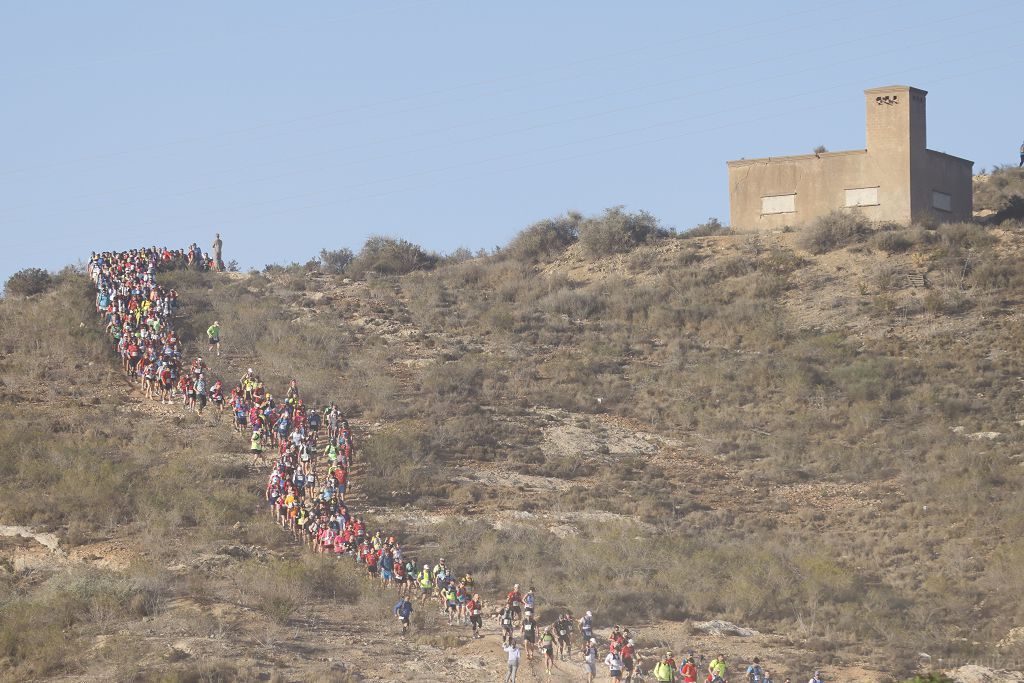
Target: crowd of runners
310,451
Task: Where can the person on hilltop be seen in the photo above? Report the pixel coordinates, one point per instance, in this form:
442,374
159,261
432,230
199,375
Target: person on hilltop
1021,155
213,336
218,246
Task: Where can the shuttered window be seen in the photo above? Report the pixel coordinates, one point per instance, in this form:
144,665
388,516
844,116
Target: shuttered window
780,203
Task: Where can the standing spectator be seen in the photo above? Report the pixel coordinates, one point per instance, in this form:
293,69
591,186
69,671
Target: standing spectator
218,246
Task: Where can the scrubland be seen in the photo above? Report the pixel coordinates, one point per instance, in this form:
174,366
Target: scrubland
815,433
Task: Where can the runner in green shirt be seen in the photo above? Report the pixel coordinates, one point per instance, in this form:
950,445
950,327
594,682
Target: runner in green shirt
213,334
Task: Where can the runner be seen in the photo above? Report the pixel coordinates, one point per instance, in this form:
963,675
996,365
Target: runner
403,610
513,661
755,674
614,664
514,601
665,670
563,627
213,336
529,634
688,671
529,601
587,626
475,608
590,659
547,646
717,669
627,653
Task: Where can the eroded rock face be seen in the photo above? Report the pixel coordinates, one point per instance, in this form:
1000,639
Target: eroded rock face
973,673
723,628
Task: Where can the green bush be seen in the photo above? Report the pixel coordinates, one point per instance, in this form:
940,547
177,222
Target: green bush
617,231
27,282
835,230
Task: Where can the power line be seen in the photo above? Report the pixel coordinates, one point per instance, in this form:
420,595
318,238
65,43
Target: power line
306,118
177,47
590,115
559,146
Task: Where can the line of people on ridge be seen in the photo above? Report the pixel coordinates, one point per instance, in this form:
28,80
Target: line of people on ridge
307,484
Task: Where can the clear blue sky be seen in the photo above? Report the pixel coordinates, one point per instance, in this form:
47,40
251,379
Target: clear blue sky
294,126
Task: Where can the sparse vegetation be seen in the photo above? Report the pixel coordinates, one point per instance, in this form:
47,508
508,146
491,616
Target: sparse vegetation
618,231
835,230
692,420
27,282
390,256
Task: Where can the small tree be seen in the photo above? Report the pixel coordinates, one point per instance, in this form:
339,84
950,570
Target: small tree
335,261
28,282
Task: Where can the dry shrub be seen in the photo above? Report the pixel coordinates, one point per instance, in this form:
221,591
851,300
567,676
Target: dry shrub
390,256
617,231
544,239
835,230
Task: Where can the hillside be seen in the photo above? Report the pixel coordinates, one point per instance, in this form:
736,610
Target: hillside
823,447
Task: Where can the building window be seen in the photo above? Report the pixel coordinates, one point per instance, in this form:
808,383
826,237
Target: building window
780,203
942,201
862,196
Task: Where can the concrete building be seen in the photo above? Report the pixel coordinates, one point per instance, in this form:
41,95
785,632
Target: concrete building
897,178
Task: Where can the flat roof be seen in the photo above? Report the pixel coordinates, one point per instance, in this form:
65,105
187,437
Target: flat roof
950,156
889,88
794,157
799,157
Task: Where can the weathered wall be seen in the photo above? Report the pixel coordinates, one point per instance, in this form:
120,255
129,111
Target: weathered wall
819,182
896,161
948,174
